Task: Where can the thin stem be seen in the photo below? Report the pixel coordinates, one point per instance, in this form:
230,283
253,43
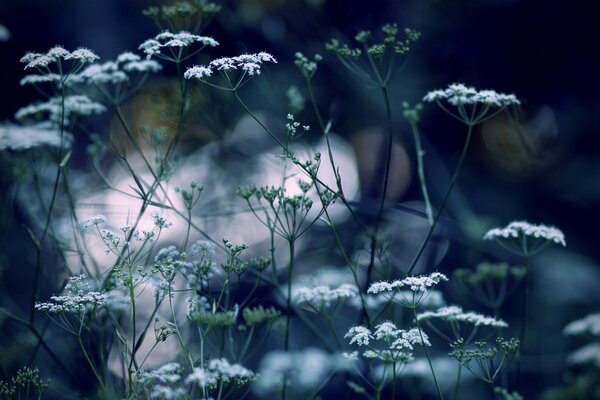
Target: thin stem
523,321
89,361
421,172
457,383
444,200
437,386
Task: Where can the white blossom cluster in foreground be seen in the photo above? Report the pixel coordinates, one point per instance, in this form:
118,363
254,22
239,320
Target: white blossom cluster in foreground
517,229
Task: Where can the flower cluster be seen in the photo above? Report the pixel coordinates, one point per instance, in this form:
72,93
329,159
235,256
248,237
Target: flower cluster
322,296
115,72
458,94
55,55
416,283
79,295
25,137
456,314
399,343
587,325
4,33
75,105
517,229
301,371
166,39
248,64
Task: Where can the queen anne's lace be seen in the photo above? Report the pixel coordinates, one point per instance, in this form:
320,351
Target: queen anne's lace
55,54
455,313
518,228
174,40
420,283
459,94
248,63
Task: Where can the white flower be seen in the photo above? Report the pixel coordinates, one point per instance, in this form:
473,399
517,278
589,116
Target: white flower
4,33
587,325
201,377
95,220
409,338
174,40
514,229
359,335
226,372
420,283
53,108
588,354
40,60
458,94
164,392
198,72
322,296
456,313
248,63
386,330
168,373
36,79
142,66
304,370
80,294
24,137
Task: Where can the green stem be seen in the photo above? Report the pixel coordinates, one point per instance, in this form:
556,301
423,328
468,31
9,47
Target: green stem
457,383
523,321
421,172
444,200
90,363
289,294
437,386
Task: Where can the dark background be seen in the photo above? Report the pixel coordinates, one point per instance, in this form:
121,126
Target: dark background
542,166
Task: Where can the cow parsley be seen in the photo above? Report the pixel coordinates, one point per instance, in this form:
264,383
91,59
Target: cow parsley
30,136
322,296
174,42
587,325
247,65
52,110
478,101
524,238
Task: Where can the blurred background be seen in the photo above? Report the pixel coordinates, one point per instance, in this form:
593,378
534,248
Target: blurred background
540,163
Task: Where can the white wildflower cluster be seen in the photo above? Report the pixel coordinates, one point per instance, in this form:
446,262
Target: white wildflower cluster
116,72
456,314
80,295
398,343
322,296
52,110
399,338
30,136
431,299
247,63
302,371
589,325
517,229
359,335
153,47
586,355
421,283
220,370
168,373
458,94
95,221
4,33
55,55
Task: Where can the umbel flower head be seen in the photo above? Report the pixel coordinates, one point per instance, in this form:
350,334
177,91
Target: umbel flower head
248,65
524,238
57,54
479,102
175,43
420,287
